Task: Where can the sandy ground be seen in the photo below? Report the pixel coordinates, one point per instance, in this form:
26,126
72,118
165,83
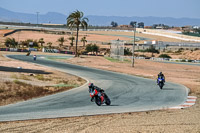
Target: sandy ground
178,121
91,36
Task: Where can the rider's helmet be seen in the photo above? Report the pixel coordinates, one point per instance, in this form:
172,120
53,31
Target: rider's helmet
160,73
90,85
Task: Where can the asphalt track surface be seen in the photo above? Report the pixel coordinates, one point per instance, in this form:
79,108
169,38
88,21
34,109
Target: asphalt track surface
127,93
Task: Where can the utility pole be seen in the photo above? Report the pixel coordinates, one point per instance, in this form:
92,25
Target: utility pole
37,17
133,61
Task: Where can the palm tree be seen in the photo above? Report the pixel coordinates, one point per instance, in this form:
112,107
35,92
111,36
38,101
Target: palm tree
61,40
11,42
76,19
133,23
83,40
72,40
41,41
49,44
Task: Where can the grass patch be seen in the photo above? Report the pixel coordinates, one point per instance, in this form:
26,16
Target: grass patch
39,77
127,61
56,58
111,59
14,76
116,60
19,82
24,77
42,78
21,76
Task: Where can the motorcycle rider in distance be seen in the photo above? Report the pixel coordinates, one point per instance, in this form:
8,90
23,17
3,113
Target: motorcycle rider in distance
94,90
161,76
34,57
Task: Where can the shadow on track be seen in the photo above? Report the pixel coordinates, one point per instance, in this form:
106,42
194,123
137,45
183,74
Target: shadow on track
110,105
168,89
12,69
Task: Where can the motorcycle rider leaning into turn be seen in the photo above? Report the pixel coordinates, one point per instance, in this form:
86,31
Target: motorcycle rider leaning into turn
161,76
95,90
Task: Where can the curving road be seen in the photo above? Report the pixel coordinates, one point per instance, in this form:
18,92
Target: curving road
127,93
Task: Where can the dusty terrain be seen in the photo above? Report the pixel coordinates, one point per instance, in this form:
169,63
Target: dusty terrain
91,36
186,120
178,121
185,54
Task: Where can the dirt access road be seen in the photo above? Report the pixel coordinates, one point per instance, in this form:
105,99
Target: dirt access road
185,120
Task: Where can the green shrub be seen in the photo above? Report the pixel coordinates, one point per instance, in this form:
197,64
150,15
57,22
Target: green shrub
92,48
164,56
127,51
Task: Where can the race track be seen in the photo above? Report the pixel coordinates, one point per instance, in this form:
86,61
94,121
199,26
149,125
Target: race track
127,94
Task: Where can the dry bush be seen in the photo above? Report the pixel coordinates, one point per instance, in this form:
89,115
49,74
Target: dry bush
11,92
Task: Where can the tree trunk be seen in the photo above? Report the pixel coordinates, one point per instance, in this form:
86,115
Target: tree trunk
76,55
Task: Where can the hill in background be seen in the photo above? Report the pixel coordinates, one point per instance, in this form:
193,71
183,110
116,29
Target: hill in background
58,18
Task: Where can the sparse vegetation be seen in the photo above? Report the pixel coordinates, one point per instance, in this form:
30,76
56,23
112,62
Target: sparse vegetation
179,51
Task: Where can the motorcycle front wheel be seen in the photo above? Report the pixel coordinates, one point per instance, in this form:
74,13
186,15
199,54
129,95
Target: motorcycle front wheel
161,85
107,99
98,100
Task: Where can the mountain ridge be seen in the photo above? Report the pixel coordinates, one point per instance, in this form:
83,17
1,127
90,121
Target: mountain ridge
96,20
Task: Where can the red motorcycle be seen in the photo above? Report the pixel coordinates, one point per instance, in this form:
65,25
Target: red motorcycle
100,97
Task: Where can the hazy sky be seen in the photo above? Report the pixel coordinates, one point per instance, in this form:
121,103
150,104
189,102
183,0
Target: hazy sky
158,8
